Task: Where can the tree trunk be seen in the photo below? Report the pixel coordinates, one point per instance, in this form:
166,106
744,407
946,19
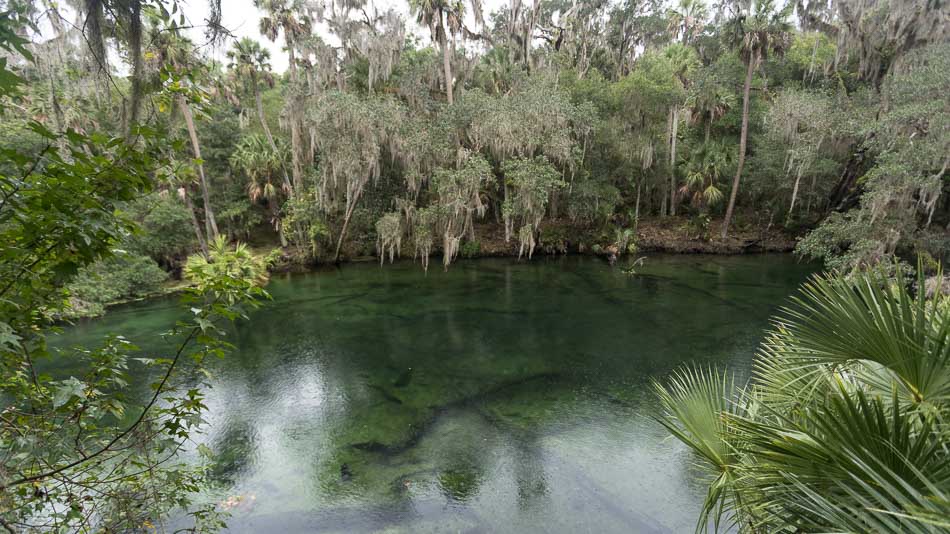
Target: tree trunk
202,243
138,67
92,30
743,136
636,212
278,223
447,68
843,196
212,225
708,128
674,125
270,137
346,222
791,206
296,143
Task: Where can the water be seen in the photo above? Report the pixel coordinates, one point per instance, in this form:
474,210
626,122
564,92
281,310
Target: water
500,396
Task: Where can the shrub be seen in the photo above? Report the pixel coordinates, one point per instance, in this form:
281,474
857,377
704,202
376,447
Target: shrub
470,249
118,278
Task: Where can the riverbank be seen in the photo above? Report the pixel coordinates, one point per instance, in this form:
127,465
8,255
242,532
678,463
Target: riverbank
672,235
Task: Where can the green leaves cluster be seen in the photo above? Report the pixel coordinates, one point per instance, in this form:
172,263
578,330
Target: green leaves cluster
843,426
84,451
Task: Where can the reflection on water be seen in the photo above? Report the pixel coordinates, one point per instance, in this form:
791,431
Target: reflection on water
500,396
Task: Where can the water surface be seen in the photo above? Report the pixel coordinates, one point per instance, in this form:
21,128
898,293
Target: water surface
500,396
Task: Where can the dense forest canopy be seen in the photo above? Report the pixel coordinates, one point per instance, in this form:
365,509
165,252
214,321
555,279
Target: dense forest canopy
546,118
130,157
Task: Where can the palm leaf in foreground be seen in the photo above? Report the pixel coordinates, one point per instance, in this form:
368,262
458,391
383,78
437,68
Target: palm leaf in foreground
695,403
845,425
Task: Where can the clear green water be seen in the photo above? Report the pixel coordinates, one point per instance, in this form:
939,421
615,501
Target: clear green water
528,407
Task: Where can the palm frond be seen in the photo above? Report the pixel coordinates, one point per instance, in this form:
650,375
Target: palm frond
696,403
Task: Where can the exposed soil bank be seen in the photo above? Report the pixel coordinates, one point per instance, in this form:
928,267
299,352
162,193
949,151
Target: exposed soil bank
672,235
669,234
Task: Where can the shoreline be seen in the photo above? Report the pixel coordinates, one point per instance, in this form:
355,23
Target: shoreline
668,235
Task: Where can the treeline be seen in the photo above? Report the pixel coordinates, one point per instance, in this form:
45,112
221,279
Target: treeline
546,119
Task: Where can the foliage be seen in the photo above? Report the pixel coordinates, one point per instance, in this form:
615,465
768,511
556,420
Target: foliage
112,280
389,240
842,427
79,452
226,262
164,229
911,138
529,184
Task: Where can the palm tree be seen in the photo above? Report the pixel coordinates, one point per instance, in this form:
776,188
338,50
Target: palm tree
292,17
442,17
708,101
843,428
682,61
706,168
686,21
250,67
177,53
432,14
261,161
755,33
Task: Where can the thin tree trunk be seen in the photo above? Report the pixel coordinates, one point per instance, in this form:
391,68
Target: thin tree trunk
791,207
636,212
339,241
279,224
296,142
259,101
296,148
202,243
346,222
708,128
138,67
674,125
447,68
92,30
212,225
743,136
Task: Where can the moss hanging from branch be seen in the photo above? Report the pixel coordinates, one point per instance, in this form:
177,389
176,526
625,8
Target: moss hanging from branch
530,184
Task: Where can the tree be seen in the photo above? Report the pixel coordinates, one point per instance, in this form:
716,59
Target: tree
181,69
708,101
754,33
261,162
531,183
800,121
250,68
432,14
293,18
687,19
647,96
442,17
350,133
682,61
77,454
707,165
842,427
908,140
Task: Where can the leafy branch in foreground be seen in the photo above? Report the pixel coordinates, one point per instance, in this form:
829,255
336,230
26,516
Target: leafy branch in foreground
86,452
844,425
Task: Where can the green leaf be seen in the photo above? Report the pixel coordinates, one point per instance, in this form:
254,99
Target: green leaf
67,390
